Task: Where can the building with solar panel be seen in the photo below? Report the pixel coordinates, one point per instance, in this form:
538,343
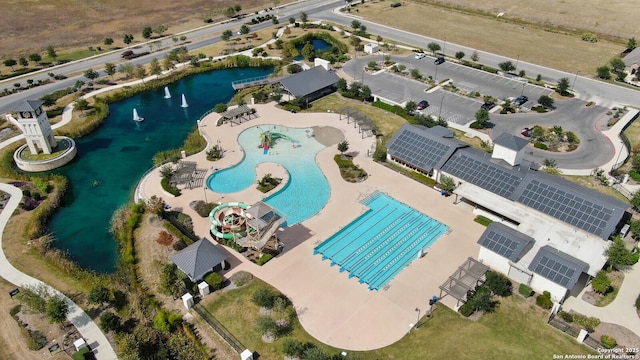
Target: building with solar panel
549,233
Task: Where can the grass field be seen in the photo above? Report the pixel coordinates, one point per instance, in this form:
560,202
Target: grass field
517,330
534,44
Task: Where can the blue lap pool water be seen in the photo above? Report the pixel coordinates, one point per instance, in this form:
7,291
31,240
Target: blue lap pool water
307,191
380,243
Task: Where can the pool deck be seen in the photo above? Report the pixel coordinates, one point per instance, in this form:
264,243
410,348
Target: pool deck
334,309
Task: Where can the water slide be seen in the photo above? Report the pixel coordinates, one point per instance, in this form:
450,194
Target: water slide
220,213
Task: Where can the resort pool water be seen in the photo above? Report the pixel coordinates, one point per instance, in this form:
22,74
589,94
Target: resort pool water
307,191
377,245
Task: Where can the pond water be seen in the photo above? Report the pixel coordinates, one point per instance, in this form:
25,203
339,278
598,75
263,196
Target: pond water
319,46
112,160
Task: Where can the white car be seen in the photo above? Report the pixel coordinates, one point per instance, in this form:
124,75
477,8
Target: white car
420,56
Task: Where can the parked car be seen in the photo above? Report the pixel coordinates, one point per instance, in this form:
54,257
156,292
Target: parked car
420,56
488,105
126,54
520,100
439,60
422,105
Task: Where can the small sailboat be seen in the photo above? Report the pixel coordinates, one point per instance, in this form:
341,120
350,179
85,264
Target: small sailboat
136,117
184,101
167,94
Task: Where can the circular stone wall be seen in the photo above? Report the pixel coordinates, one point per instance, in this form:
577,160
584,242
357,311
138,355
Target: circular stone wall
48,164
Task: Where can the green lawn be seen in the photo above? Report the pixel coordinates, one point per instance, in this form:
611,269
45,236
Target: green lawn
386,122
517,330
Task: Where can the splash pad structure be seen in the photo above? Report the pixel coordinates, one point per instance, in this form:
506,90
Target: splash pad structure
269,139
229,220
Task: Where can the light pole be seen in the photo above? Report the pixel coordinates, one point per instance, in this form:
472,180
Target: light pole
523,85
517,61
204,188
444,46
418,320
440,110
574,80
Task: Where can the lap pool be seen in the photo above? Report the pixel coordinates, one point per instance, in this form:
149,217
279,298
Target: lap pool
380,243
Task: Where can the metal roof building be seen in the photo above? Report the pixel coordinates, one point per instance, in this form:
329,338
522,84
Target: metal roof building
311,84
199,259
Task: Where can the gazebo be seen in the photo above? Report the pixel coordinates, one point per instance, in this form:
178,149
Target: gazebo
199,259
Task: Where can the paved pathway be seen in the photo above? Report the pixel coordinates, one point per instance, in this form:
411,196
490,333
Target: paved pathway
87,328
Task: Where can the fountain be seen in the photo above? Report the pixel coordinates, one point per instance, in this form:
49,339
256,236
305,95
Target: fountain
184,102
167,94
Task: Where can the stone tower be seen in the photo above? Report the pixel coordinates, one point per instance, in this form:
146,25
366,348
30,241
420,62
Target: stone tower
35,126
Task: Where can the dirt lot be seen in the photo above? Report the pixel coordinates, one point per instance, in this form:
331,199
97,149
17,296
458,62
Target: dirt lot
532,44
89,22
605,17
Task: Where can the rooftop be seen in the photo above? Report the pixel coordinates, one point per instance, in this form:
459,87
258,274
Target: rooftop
309,81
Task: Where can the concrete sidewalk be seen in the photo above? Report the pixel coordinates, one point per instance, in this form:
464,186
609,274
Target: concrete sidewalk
87,328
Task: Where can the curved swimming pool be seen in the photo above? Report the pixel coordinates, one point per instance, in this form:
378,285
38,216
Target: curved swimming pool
307,191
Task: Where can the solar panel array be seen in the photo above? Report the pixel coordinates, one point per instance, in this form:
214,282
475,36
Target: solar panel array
559,269
484,174
566,206
418,150
503,243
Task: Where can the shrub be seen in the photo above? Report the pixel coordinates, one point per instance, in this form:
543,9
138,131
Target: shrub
203,209
489,69
568,317
264,259
483,220
499,284
539,145
466,309
215,281
608,342
544,300
36,340
589,323
292,347
589,37
166,186
525,290
396,4
638,302
15,310
179,245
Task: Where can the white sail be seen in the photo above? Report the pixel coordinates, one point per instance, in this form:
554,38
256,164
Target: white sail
167,94
184,101
136,117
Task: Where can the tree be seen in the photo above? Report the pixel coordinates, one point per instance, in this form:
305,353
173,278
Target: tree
35,57
415,73
563,86
10,63
154,67
550,163
617,64
308,51
474,56
362,30
635,200
91,74
126,69
546,101
108,41
229,12
110,322
82,104
341,85
498,284
379,39
355,41
127,38
23,61
304,17
343,146
169,282
237,8
48,100
365,92
355,25
146,32
601,283
226,35
266,326
57,310
447,183
160,29
632,43
51,52
635,228
99,295
372,65
110,69
482,117
459,55
244,29
220,108
433,46
617,254
292,20
506,66
264,298
604,72
410,106
140,72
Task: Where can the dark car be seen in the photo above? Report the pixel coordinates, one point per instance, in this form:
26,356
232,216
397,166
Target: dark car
520,100
439,60
488,105
422,105
126,54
